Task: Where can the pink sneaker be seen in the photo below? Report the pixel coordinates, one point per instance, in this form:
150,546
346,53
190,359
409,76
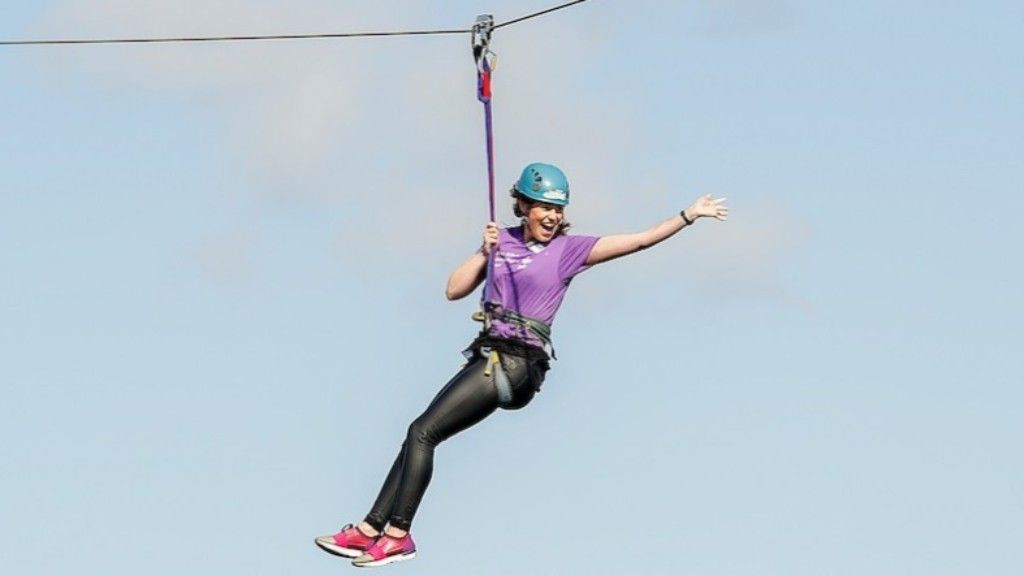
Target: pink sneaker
350,542
387,549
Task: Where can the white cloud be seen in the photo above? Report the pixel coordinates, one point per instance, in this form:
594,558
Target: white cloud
284,105
389,131
296,112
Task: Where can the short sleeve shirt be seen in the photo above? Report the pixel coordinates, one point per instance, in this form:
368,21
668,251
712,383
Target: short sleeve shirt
531,278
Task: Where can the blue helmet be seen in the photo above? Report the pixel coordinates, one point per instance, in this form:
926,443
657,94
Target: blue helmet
543,183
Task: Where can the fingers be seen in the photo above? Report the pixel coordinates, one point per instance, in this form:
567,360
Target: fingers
707,199
706,205
721,210
490,237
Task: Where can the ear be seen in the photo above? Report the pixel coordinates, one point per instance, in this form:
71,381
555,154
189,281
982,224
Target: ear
524,206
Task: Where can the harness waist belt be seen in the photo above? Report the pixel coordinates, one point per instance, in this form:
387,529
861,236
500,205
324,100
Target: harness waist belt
540,329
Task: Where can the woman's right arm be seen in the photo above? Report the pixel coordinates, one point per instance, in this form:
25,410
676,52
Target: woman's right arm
471,273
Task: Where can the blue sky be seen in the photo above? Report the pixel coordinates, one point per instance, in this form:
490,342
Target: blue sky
221,297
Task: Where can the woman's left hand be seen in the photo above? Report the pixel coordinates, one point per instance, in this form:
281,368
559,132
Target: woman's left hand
709,207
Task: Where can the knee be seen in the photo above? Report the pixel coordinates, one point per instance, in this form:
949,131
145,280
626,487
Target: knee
420,433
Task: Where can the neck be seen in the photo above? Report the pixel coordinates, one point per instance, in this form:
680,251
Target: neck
526,233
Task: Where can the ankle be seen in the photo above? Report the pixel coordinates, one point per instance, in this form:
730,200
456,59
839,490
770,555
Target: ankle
367,530
395,532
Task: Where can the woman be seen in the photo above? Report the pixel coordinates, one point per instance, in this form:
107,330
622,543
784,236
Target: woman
533,266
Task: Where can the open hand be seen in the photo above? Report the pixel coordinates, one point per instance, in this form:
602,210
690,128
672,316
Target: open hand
706,206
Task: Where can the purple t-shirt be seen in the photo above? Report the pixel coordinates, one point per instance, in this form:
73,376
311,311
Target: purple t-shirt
531,278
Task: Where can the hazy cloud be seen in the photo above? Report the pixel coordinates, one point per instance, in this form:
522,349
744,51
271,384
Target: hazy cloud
388,134
746,258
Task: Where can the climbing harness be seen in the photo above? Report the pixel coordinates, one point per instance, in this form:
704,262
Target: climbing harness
536,327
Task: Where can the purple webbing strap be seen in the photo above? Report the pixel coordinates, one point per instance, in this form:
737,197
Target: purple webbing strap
484,95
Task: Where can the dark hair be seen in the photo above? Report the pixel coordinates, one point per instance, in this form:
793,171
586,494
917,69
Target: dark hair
516,196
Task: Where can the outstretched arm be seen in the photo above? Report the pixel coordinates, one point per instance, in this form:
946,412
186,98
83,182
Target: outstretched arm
471,273
611,247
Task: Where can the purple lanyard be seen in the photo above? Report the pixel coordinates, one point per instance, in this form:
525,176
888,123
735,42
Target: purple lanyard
481,52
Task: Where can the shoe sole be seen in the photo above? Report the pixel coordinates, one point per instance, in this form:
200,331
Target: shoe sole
338,550
384,561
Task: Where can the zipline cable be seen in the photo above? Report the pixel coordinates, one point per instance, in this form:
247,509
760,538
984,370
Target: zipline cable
274,36
233,38
541,13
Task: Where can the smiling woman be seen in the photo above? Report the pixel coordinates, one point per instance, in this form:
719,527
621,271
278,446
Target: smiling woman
533,266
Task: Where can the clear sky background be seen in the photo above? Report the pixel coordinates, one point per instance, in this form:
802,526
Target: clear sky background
222,271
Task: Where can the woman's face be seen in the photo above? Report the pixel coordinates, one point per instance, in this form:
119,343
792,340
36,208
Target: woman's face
542,219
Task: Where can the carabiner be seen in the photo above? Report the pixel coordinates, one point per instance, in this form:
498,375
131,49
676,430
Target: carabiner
481,42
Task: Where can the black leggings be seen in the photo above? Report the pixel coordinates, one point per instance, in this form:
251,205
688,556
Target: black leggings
468,398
